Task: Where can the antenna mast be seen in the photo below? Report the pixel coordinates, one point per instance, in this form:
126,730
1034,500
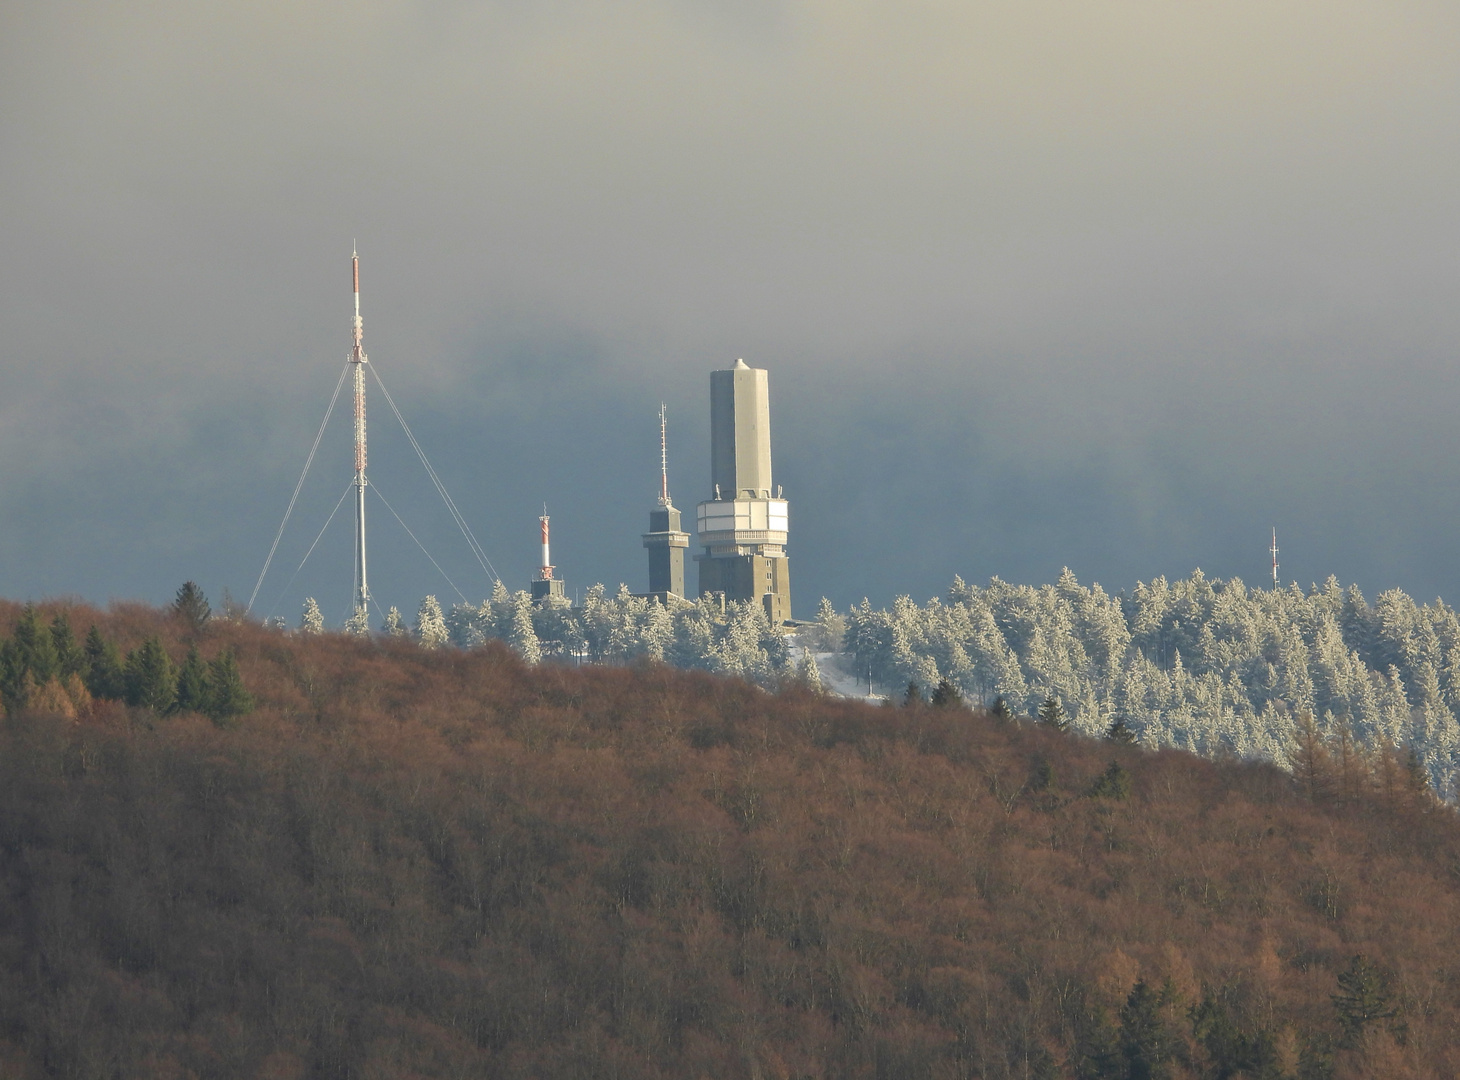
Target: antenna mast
545,572
358,360
663,461
1274,560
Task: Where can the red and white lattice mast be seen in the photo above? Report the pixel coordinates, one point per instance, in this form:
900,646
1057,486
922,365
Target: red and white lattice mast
1274,550
545,571
358,362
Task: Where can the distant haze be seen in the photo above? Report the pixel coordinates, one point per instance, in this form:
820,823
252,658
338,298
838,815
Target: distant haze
1117,286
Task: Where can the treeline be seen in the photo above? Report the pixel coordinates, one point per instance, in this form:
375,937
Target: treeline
1206,665
1202,664
44,668
435,862
726,638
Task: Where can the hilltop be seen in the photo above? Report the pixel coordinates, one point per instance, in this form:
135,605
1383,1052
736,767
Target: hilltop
409,862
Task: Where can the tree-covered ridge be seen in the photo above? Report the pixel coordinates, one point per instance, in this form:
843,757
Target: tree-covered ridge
44,668
440,862
1201,664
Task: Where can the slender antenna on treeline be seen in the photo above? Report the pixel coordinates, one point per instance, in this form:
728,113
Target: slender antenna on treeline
1274,560
358,361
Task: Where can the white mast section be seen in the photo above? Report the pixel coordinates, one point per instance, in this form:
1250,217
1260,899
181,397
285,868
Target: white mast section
1274,550
358,362
663,461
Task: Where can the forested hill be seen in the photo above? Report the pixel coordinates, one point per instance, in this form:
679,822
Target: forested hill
1202,664
408,862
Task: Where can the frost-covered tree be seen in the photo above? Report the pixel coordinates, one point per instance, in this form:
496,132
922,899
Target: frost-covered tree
522,637
358,623
431,624
312,621
394,625
1199,663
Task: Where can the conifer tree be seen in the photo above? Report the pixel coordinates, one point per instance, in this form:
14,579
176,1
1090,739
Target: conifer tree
312,621
946,695
1147,1041
1113,783
226,696
913,695
192,684
1051,712
103,670
808,674
431,624
150,678
394,625
27,660
358,623
1363,998
999,710
70,659
191,606
523,638
1119,732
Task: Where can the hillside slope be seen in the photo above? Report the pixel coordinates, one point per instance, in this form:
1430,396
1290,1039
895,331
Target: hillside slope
414,863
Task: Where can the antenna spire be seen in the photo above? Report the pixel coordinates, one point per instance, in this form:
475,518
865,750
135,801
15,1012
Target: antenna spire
358,360
1274,550
663,460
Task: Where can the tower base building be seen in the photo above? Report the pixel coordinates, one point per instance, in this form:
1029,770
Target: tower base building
744,528
667,543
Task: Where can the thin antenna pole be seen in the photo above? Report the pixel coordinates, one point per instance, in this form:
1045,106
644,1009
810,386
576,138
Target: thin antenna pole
1274,560
663,460
545,573
358,360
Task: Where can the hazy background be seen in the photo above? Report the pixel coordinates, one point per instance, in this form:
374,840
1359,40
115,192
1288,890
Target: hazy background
1118,286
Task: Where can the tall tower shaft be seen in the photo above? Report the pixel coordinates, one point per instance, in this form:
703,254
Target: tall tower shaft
358,361
744,527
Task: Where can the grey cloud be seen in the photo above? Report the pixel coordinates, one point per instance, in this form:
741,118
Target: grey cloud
1038,283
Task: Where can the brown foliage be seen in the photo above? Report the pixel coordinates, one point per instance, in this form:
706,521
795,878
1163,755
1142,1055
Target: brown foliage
410,863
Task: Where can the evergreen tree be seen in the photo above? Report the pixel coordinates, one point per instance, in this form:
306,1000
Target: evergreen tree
192,684
70,659
946,695
1147,1042
1113,783
1119,732
808,673
1053,713
394,625
226,696
431,624
358,623
27,660
1000,709
463,626
191,606
103,671
1363,998
523,638
312,621
150,679
913,695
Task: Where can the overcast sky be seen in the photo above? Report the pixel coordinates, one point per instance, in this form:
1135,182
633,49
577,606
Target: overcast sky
1118,286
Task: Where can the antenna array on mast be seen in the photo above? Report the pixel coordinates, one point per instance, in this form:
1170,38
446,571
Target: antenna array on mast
1274,550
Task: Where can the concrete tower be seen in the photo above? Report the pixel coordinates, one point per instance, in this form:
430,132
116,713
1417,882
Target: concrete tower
743,528
666,542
